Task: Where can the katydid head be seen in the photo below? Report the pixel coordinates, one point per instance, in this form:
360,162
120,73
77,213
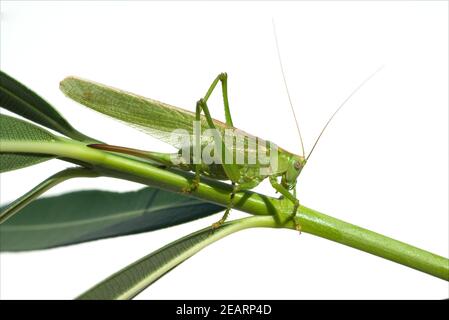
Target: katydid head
295,165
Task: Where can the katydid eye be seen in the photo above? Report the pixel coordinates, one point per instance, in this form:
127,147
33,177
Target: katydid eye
297,165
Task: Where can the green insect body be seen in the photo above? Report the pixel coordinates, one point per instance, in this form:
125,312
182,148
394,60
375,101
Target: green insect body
289,165
163,121
176,126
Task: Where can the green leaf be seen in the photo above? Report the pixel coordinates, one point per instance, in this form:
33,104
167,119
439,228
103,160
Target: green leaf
17,98
13,129
15,206
133,279
88,215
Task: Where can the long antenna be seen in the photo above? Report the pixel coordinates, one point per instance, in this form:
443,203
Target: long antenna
341,106
286,87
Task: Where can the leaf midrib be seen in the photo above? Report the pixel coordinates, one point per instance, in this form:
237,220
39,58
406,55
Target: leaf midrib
7,228
48,118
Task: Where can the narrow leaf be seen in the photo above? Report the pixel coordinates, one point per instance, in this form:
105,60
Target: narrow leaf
88,215
13,129
45,185
19,99
133,279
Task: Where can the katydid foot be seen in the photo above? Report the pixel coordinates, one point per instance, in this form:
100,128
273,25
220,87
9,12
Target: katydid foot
295,218
194,184
235,189
220,222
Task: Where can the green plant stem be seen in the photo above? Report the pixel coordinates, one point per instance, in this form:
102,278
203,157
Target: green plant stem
125,167
351,235
311,221
42,187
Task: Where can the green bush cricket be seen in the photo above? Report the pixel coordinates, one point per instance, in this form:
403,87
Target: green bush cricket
165,122
238,157
161,120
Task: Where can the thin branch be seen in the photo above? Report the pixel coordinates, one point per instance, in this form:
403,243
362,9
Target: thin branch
42,187
312,221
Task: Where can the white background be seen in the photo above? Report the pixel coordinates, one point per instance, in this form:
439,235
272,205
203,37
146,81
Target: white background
381,165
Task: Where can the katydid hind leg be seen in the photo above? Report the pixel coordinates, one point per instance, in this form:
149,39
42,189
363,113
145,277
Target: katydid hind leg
195,182
232,170
202,107
228,208
235,189
223,78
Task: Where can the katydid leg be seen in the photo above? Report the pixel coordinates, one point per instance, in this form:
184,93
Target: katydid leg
231,170
282,190
235,188
223,78
201,106
228,208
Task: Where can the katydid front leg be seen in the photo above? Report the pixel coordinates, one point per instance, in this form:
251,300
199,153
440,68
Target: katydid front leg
282,190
